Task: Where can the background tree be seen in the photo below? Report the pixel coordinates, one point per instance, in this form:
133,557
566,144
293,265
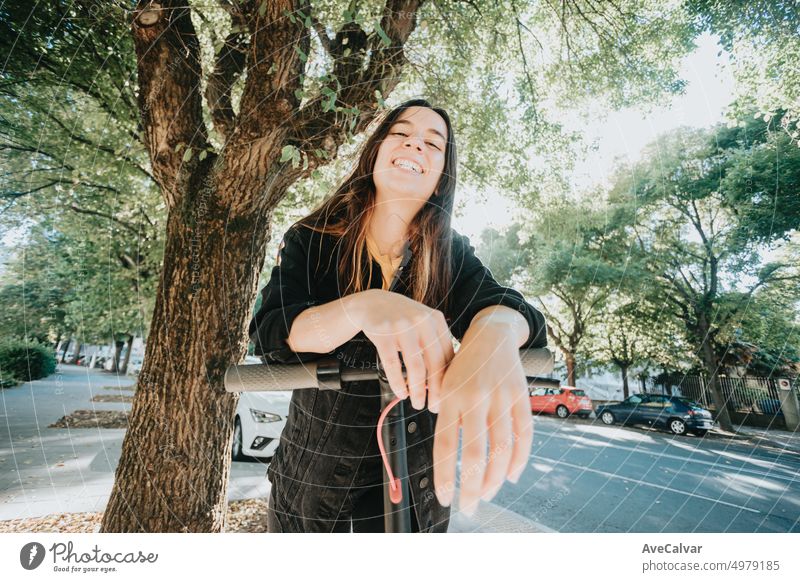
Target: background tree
701,251
763,41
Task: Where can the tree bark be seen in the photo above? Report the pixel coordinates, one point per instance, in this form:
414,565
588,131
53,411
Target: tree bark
569,359
123,369
115,358
711,364
66,349
174,468
76,353
625,390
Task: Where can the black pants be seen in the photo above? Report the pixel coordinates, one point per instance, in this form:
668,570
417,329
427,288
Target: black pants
366,517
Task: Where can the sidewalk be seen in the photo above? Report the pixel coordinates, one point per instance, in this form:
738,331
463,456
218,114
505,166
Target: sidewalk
491,518
58,470
784,440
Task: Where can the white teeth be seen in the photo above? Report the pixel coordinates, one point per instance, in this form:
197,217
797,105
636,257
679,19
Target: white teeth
407,164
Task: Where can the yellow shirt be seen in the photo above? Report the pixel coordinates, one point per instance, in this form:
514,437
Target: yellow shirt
388,263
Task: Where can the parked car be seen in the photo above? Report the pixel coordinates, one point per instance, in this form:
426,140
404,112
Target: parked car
259,421
561,401
677,414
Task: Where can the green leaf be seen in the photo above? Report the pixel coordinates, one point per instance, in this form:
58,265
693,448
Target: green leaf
384,38
262,10
187,155
202,155
299,51
287,152
179,147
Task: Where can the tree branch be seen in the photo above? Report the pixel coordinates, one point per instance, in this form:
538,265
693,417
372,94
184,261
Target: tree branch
168,65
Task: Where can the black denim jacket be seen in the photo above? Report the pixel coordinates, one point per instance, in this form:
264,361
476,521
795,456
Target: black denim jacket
329,443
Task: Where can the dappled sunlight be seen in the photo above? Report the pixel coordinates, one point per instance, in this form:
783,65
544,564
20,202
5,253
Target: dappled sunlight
617,434
680,444
771,465
541,467
729,484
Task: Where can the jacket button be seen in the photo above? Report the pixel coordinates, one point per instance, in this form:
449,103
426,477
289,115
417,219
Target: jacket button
423,483
412,427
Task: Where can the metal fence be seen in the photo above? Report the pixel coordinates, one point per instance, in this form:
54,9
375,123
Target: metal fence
750,399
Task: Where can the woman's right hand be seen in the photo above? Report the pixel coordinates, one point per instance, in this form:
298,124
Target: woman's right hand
396,323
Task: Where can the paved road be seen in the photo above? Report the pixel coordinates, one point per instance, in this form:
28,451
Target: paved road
586,477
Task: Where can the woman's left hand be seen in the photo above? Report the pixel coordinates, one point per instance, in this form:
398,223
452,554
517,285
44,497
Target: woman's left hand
485,392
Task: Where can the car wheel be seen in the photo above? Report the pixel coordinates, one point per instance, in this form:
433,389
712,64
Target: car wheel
562,411
607,417
701,432
677,426
236,451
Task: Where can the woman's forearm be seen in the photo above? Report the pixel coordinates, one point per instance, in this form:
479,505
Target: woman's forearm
323,328
510,320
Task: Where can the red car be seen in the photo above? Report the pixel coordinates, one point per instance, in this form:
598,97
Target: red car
561,401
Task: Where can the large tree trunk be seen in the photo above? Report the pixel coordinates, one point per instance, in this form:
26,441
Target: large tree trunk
66,349
569,360
711,365
76,353
175,463
115,357
123,369
625,390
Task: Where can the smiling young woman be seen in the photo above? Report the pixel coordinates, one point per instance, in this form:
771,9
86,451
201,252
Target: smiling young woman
331,291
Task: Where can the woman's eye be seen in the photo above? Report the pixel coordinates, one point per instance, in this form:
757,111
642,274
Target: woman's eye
405,135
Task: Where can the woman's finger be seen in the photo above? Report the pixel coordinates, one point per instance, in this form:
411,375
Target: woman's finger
501,444
445,454
522,427
435,365
409,342
473,455
392,366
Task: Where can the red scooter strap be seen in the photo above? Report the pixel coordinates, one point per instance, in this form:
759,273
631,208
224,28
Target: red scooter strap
395,492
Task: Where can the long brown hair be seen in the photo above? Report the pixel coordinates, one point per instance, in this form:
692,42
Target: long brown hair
346,214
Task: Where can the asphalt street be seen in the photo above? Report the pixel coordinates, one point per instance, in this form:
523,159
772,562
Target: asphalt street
587,477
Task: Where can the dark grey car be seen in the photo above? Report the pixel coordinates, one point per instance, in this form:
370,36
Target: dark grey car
677,414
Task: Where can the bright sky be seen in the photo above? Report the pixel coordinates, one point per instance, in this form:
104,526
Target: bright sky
625,133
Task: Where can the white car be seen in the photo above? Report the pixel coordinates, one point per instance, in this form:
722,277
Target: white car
260,418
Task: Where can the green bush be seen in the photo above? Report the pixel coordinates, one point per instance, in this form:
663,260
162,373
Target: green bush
25,361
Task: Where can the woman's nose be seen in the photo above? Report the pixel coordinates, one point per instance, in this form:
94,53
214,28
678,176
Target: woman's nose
415,141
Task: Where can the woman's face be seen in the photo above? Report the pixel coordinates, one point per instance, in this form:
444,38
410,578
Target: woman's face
411,158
